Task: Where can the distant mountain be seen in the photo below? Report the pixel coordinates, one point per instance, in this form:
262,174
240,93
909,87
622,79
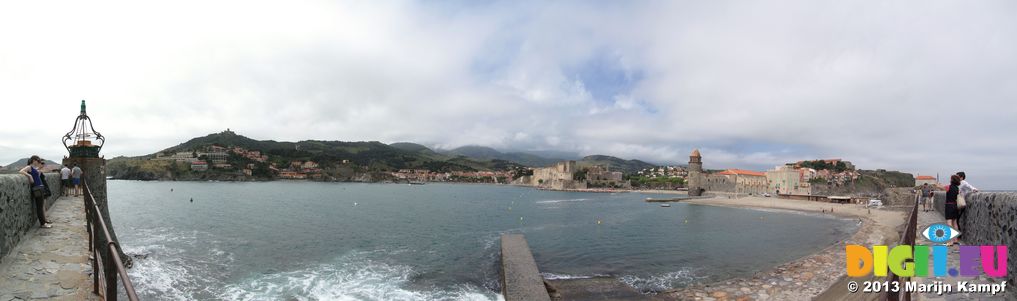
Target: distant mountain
411,147
19,163
366,156
553,154
614,163
487,153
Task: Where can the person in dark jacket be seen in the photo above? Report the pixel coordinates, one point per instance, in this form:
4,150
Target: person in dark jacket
951,213
37,187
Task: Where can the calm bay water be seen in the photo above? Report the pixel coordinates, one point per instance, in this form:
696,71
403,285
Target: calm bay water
326,241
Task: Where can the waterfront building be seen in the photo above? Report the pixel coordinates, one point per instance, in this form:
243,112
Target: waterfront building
737,181
561,175
787,179
601,176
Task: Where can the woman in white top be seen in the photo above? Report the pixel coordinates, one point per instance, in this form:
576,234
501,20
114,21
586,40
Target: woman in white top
965,189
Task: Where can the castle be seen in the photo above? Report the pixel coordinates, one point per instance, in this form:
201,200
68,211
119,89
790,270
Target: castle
731,180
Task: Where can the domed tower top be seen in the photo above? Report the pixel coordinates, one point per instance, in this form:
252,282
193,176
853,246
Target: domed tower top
695,159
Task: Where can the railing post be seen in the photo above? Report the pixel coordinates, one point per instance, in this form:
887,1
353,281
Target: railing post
89,216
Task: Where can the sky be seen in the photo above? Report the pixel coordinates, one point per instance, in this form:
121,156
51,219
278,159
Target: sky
927,87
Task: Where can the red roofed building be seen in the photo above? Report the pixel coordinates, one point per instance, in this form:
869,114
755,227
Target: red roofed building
737,181
199,165
919,180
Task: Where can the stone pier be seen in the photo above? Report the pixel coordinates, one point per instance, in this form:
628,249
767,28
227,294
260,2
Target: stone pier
521,280
53,263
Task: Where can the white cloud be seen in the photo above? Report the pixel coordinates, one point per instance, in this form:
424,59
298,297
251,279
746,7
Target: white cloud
912,85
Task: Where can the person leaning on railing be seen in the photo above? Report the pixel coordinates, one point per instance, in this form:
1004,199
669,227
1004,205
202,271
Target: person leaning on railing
37,185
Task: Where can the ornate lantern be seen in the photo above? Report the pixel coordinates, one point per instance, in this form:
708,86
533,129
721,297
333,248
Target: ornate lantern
84,141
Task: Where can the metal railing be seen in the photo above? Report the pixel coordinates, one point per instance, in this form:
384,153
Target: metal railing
104,277
906,238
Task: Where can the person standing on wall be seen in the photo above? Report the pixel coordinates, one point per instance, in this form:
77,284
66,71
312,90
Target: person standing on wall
76,179
65,180
37,188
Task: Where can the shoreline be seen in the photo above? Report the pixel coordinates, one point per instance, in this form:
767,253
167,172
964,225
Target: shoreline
816,276
813,276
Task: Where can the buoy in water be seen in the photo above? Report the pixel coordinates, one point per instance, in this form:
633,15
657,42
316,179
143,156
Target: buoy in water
192,200
598,222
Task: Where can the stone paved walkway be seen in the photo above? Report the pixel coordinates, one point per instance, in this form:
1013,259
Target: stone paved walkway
928,218
51,263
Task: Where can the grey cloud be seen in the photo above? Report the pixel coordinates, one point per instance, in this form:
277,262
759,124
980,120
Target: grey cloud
911,85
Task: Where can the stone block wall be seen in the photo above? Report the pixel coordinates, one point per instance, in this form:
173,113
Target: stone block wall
990,218
17,212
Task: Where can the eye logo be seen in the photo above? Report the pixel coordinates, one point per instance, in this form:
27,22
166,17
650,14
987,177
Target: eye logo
940,233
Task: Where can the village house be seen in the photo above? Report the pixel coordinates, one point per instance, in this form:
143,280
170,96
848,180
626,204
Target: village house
199,165
919,180
787,179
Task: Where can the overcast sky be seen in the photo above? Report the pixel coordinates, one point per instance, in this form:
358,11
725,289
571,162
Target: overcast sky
919,86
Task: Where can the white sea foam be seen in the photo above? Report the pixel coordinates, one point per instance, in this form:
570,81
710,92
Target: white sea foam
553,276
160,271
352,277
561,201
657,283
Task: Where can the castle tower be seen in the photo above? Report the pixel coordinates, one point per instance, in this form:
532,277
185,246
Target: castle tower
695,173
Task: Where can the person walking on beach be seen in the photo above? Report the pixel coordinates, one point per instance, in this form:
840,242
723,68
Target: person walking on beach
65,180
37,188
950,212
76,179
924,200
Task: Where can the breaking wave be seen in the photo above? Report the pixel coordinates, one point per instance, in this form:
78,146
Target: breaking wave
553,276
662,282
561,201
352,277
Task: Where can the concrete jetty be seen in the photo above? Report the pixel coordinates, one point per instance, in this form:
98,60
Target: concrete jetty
520,278
51,263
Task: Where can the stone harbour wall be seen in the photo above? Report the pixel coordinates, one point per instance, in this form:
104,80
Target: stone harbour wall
990,218
17,212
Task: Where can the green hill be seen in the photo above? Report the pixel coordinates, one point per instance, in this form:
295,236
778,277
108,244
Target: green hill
487,153
614,163
363,156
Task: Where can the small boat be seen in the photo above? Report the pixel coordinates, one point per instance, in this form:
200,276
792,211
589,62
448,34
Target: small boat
416,183
665,205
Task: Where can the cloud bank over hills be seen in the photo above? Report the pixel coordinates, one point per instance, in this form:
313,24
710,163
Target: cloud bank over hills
911,85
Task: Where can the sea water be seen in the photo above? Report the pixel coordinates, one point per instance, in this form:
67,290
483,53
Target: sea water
340,241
